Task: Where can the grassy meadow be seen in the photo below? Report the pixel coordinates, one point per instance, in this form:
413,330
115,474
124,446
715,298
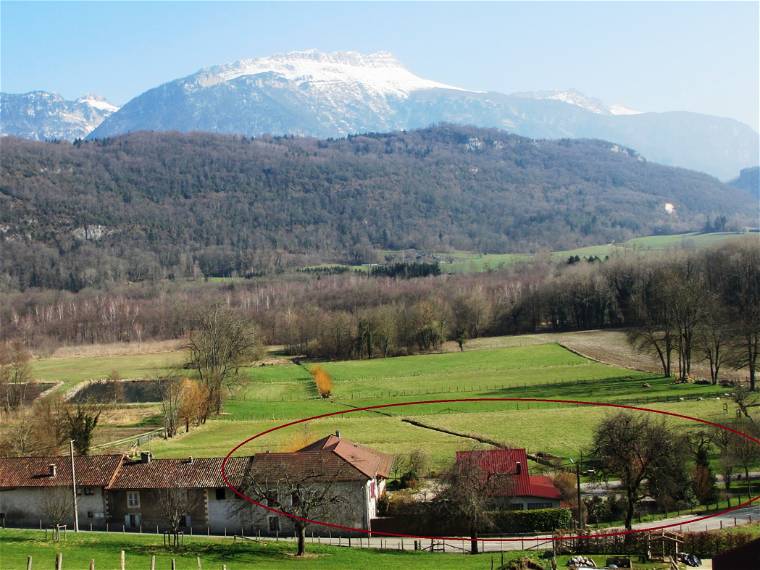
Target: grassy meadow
530,366
104,548
470,262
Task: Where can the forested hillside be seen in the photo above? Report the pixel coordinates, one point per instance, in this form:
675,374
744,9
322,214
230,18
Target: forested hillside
158,205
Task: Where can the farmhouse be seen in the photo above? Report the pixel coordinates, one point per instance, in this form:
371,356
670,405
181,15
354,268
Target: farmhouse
143,493
352,474
38,490
520,489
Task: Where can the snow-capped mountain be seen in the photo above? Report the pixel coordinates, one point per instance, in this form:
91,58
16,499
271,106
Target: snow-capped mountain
40,115
377,74
336,94
578,99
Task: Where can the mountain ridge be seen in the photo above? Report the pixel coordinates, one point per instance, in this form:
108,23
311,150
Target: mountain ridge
334,95
160,204
43,115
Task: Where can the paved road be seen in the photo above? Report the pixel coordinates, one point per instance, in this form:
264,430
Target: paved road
738,517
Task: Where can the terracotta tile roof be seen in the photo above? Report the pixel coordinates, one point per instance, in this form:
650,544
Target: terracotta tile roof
302,466
330,458
91,471
369,462
504,462
200,473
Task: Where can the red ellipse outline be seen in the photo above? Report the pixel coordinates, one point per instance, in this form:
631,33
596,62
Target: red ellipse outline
455,400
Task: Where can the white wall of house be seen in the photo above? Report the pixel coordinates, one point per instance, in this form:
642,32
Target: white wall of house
223,513
534,503
27,506
354,510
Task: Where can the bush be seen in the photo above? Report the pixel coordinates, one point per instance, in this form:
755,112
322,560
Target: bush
537,520
322,380
712,543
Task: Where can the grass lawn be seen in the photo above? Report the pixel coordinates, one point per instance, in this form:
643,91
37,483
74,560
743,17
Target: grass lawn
558,429
540,371
104,548
74,369
529,366
470,262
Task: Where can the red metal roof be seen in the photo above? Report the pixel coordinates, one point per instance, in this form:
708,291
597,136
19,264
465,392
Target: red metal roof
543,487
505,462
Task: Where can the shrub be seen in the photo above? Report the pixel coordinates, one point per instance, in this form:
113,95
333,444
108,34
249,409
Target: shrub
536,520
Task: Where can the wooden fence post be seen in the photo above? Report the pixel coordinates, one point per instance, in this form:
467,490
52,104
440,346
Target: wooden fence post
200,566
174,564
153,562
123,560
58,561
28,563
92,564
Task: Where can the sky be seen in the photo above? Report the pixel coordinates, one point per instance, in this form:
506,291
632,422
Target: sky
651,56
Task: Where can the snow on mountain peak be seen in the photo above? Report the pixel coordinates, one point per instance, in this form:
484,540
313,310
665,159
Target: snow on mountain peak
617,109
578,99
378,73
97,102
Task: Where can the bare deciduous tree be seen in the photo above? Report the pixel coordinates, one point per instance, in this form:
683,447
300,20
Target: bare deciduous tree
174,505
15,373
219,346
310,493
58,506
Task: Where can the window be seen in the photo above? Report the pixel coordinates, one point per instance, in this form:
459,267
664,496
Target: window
89,514
295,499
274,524
532,506
89,491
133,499
221,494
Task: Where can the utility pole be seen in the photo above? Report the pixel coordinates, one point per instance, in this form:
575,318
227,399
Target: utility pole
74,486
578,482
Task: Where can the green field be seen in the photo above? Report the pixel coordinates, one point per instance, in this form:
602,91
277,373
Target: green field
105,549
470,262
530,366
534,370
557,428
74,369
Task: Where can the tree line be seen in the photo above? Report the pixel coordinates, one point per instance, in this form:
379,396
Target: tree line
680,306
156,206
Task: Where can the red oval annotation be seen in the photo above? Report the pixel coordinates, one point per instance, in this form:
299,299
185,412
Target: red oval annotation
336,526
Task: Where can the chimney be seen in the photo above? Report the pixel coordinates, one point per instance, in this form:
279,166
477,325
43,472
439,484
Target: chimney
337,433
518,468
145,456
52,470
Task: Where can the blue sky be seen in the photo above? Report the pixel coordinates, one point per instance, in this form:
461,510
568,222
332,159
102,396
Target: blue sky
651,56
